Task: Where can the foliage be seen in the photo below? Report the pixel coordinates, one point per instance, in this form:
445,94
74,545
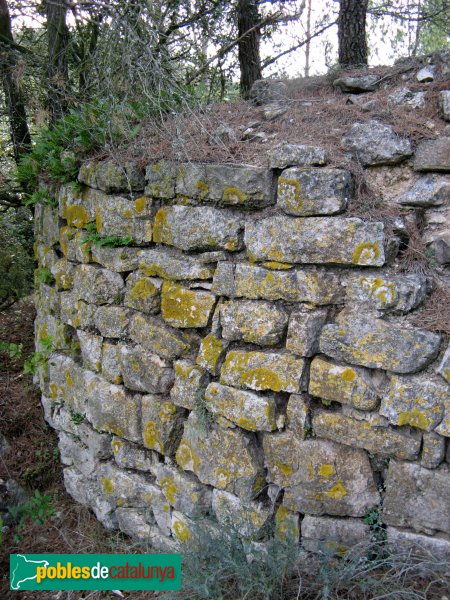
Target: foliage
58,150
77,418
14,351
40,196
37,509
39,358
108,241
43,275
16,263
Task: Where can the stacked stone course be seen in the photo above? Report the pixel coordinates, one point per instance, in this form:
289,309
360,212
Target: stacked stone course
249,357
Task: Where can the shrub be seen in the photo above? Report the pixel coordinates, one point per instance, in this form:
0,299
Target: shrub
16,262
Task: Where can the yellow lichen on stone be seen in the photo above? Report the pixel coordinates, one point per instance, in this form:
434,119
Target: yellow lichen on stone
246,424
348,375
326,470
140,204
337,492
262,379
186,457
186,308
277,266
181,531
151,437
414,418
162,232
223,477
76,216
202,189
169,488
143,289
366,253
108,485
166,412
116,446
233,195
286,470
290,190
211,349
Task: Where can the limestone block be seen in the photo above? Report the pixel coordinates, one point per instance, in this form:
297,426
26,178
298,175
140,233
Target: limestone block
433,450
168,265
232,513
417,401
320,477
310,285
250,411
211,353
66,383
155,336
325,534
98,444
190,384
426,74
307,192
262,371
63,272
433,155
304,330
46,224
96,285
135,523
268,91
298,416
405,97
85,490
160,178
352,386
235,185
186,308
76,206
384,441
182,528
49,328
110,408
183,490
444,104
297,155
374,143
132,456
73,453
91,349
45,255
417,498
357,83
253,321
110,177
116,259
348,241
143,293
47,299
144,372
444,366
287,524
122,217
162,424
397,293
197,228
427,191
408,543
362,339
112,321
111,362
230,460
73,245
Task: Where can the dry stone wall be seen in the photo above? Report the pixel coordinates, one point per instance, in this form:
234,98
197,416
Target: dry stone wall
249,356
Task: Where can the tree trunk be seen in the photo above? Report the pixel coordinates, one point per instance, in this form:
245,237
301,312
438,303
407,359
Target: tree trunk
58,70
248,47
15,104
352,32
308,36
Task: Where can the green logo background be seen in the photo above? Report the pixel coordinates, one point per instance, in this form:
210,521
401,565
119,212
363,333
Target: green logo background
22,571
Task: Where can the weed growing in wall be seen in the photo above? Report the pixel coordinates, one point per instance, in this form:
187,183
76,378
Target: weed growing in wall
108,241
